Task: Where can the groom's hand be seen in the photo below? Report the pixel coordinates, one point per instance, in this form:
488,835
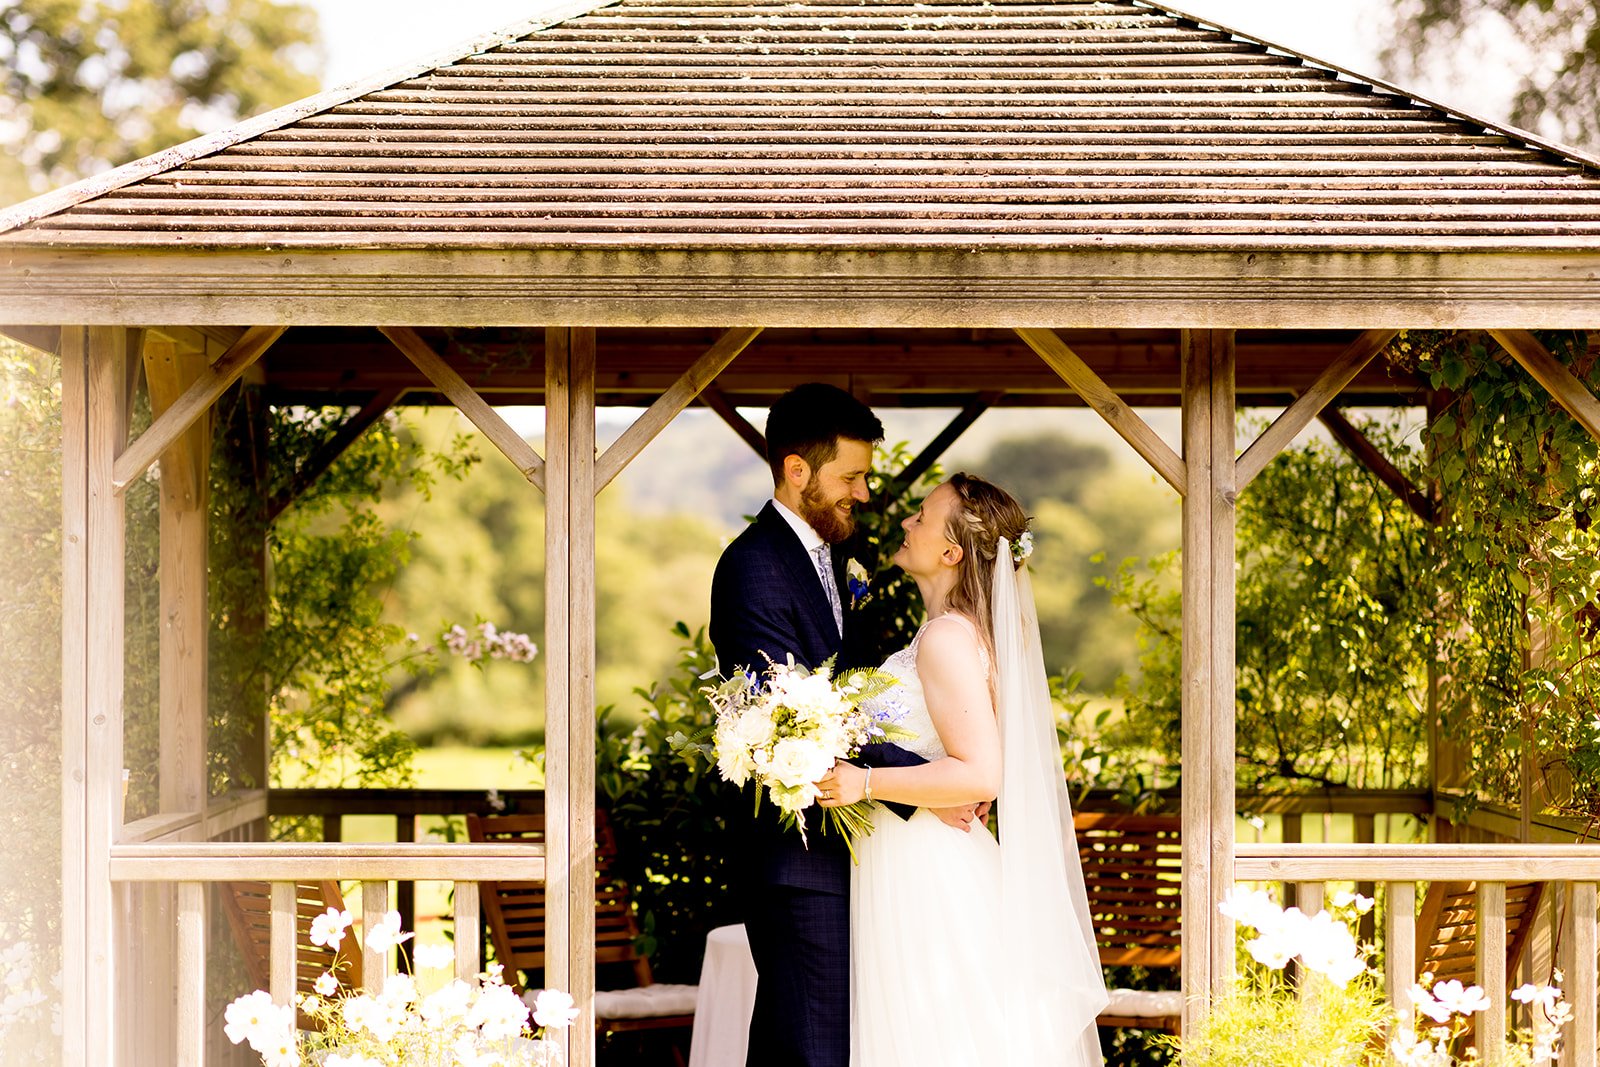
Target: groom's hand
959,818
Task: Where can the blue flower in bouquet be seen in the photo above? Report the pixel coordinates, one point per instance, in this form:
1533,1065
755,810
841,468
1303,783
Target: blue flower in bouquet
859,581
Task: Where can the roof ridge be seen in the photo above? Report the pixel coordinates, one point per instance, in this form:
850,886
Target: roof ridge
1567,152
551,13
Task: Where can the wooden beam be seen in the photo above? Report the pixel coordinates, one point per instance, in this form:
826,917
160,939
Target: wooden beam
1197,724
1076,373
1375,461
44,338
473,406
1581,991
713,398
1558,381
1298,415
581,691
679,396
318,463
194,403
940,444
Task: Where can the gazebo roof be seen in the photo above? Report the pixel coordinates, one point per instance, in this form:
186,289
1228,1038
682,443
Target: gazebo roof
648,123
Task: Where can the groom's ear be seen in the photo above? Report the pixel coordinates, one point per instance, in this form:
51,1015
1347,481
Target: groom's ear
796,471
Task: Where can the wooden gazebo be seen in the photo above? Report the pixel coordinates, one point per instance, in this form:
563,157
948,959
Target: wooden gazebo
951,204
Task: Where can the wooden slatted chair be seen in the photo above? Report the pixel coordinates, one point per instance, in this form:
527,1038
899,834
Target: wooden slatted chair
1447,928
249,908
629,999
1132,867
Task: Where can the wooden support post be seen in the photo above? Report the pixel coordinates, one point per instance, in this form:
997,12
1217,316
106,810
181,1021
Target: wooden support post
468,938
1400,943
405,891
712,398
1197,722
558,795
666,408
1584,1047
581,717
1491,963
281,966
1221,590
1293,831
474,407
190,1046
77,1006
376,966
107,355
1099,396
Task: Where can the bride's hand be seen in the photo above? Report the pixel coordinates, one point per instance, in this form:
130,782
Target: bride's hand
842,786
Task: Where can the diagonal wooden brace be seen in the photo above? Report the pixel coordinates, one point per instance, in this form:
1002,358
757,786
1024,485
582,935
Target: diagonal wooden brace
467,400
666,408
1558,381
195,402
1111,407
713,398
1298,415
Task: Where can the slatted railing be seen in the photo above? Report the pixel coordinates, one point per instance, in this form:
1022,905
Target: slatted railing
1400,867
192,865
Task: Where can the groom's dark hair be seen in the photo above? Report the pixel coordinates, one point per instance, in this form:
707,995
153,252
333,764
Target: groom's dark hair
808,421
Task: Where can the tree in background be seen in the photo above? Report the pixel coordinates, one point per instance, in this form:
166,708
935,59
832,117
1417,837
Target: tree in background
90,85
1560,97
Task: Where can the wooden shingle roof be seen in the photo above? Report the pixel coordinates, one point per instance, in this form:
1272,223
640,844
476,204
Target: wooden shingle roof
728,123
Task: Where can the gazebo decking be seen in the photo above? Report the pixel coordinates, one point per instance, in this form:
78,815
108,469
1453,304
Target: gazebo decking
949,204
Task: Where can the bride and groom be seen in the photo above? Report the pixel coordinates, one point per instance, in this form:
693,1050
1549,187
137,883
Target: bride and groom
944,947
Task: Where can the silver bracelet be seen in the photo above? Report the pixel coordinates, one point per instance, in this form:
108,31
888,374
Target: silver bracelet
867,789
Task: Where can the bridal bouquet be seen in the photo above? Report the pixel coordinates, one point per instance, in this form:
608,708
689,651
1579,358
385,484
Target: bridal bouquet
786,727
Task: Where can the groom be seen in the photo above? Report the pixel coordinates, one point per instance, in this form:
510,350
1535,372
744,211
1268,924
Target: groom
777,592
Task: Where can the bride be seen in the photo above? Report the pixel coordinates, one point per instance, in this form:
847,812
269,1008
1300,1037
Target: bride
967,950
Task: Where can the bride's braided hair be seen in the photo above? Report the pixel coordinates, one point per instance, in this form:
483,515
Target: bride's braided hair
984,514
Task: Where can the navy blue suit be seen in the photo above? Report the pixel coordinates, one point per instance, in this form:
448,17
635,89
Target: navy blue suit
766,601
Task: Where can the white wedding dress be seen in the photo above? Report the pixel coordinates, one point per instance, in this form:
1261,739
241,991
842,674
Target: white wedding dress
933,974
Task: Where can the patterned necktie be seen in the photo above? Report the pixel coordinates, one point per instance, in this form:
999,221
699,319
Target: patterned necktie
830,588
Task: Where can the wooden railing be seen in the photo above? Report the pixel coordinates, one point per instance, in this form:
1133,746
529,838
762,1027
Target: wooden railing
1400,867
192,865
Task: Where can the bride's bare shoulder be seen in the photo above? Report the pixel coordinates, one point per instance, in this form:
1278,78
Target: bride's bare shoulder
952,640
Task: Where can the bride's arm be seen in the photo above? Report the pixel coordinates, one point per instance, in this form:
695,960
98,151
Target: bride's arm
957,692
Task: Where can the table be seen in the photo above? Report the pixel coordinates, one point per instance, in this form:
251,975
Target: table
725,1002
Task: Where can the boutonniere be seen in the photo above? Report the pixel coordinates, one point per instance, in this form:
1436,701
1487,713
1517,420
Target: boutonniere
859,581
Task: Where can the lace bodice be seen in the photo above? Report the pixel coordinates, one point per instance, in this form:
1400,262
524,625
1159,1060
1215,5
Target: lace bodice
907,693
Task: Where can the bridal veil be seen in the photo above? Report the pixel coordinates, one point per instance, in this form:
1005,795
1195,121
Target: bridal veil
1047,935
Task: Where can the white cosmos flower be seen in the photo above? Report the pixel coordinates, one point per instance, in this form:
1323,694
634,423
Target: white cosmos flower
466,1054
329,927
1543,995
445,1005
326,984
554,1010
435,957
251,1018
385,933
498,1013
1462,1000
1424,1002
1252,907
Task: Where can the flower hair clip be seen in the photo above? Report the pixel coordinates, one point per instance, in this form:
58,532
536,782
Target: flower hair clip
1022,547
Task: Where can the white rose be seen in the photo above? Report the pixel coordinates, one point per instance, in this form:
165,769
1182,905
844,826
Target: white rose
754,728
798,762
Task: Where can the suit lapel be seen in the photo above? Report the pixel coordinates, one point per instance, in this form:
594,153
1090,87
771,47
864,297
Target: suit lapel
802,569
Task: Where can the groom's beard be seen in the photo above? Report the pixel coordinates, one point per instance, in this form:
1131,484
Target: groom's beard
832,523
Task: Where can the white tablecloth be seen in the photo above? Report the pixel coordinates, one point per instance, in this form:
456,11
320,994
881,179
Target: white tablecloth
726,1000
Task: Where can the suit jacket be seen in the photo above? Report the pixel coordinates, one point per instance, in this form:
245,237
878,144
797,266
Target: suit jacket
766,602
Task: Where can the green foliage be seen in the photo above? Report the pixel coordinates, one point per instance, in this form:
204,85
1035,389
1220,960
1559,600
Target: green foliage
1261,1022
1517,568
892,610
670,814
1331,567
330,653
30,652
1559,95
91,85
